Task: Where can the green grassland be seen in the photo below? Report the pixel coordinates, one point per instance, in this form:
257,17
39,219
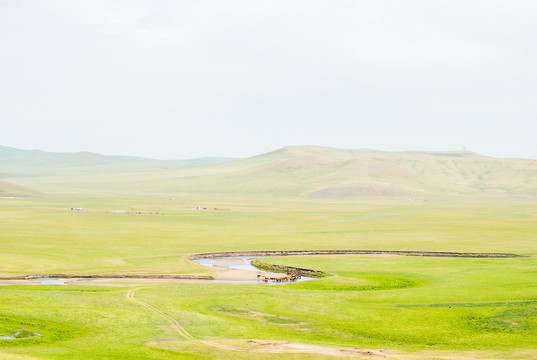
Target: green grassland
111,236
291,199
448,306
400,303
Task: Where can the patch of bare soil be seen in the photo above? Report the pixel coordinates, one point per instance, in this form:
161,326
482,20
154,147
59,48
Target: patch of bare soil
241,274
243,312
359,189
289,347
122,282
17,282
156,342
441,355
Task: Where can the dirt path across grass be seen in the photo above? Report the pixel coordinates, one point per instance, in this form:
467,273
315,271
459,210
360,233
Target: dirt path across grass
258,346
282,347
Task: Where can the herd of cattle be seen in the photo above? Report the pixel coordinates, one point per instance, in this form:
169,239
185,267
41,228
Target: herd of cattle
289,277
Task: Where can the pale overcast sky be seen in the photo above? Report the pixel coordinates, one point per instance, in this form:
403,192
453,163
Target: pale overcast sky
175,79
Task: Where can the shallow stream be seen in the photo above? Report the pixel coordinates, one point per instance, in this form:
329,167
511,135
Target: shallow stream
240,263
20,335
231,263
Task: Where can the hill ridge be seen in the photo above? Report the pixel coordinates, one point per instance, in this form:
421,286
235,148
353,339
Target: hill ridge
312,171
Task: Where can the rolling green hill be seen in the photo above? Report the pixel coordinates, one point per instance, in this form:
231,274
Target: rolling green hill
21,163
8,189
311,171
325,172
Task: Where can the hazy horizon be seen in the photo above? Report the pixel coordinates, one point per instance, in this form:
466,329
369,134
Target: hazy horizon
271,150
179,80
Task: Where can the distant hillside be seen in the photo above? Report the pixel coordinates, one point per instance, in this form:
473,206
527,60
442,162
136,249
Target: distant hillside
21,163
326,172
8,189
310,171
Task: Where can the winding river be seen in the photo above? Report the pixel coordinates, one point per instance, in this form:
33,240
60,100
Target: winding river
238,262
226,263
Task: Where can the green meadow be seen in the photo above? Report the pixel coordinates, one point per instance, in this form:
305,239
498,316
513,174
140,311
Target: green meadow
145,217
112,236
417,307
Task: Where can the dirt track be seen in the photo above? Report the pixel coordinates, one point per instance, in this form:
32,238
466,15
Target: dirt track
282,347
262,346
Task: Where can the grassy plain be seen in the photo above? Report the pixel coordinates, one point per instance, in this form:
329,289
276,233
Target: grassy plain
110,236
476,308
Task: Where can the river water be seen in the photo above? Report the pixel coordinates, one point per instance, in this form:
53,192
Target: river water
240,263
225,262
18,335
231,263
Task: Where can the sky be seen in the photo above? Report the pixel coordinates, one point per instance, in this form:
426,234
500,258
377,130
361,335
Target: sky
175,79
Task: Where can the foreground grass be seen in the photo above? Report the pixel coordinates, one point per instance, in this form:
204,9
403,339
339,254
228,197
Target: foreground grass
98,323
399,303
484,306
487,307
